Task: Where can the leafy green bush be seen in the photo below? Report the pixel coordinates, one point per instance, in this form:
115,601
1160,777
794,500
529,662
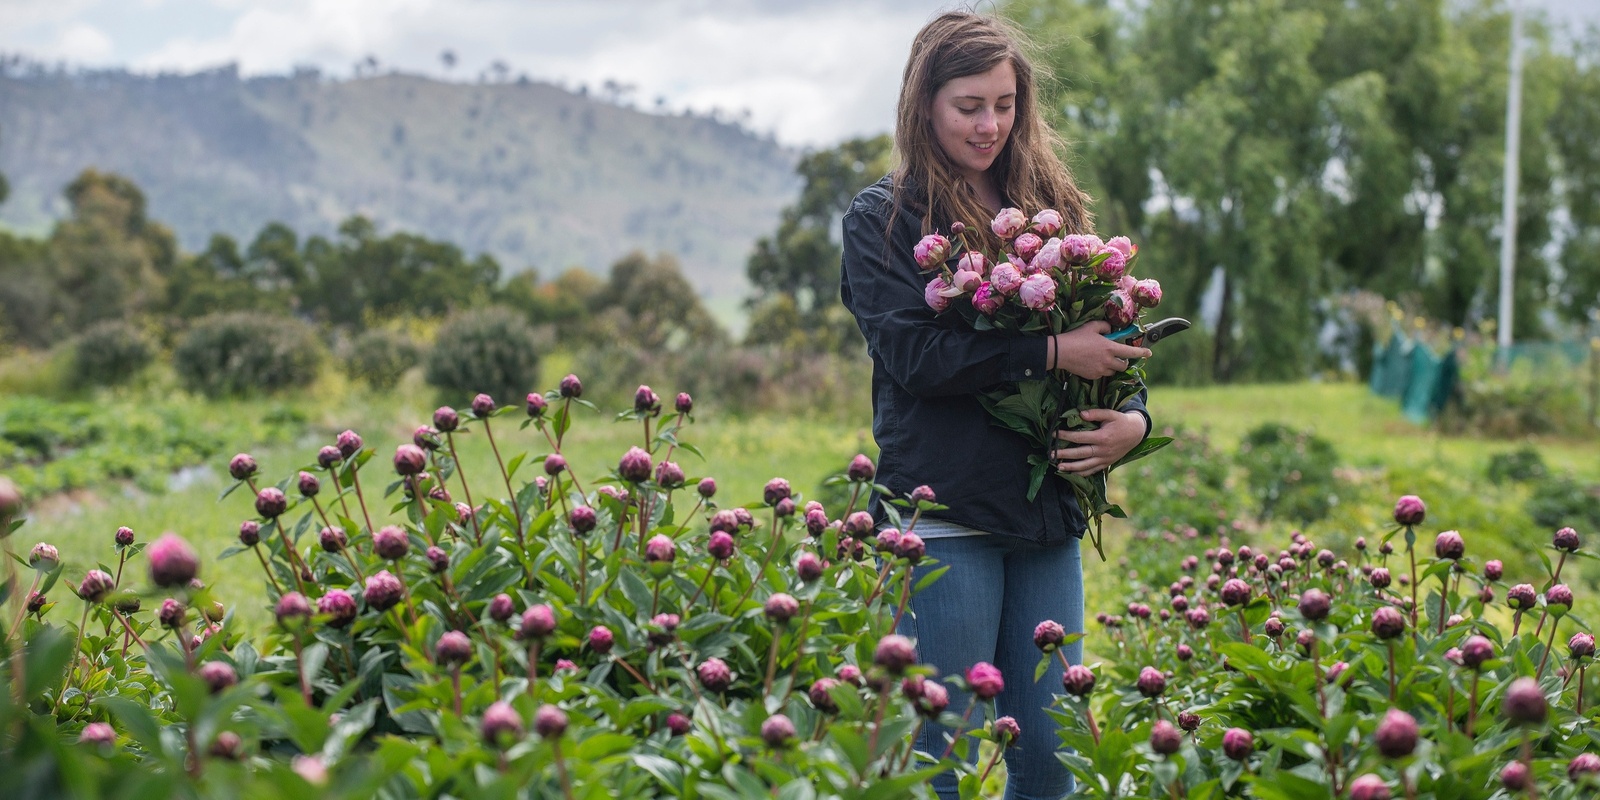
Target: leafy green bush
379,357
1564,500
245,352
110,353
1517,466
1289,472
491,350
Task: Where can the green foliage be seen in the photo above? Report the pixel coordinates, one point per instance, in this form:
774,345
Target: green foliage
110,353
1289,472
1536,397
1563,500
241,353
1517,466
379,357
648,303
49,446
490,350
794,274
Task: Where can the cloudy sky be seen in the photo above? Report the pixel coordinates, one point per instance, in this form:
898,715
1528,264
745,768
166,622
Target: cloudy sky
812,71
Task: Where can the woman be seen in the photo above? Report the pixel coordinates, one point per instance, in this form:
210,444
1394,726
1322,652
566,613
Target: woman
971,140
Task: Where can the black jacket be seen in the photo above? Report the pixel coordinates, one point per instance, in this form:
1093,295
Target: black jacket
926,369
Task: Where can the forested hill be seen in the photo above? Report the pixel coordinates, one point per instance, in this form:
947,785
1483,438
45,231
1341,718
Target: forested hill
532,173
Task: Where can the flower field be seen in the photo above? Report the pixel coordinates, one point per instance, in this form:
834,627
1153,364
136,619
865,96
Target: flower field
579,606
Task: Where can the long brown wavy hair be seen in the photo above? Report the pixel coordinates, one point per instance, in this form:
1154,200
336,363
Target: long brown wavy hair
1028,171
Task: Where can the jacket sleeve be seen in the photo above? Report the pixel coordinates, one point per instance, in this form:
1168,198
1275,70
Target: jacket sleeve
920,352
1137,403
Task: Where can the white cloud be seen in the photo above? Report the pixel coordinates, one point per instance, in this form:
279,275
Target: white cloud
813,74
83,43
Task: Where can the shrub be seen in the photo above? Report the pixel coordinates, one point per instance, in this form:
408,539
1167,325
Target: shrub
379,357
1563,500
245,352
1289,472
491,350
1517,466
110,353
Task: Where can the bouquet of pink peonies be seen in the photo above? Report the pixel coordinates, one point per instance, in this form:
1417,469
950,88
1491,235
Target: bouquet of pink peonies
1042,285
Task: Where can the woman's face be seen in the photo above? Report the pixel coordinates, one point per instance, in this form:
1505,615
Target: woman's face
972,118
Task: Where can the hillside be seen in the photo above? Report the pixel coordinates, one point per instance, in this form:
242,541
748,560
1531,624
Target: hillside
530,172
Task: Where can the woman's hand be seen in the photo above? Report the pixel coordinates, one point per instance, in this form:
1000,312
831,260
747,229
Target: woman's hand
1093,451
1087,353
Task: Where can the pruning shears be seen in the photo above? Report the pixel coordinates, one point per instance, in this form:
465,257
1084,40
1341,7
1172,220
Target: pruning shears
1149,334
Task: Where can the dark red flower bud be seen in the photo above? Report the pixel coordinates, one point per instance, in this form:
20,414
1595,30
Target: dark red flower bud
808,566
1410,510
582,519
383,591
780,608
218,676
446,419
249,533
777,730
1078,680
1397,734
333,540
645,401
571,387
502,725
923,494
1449,544
1515,777
453,648
438,559
349,443
538,622
292,608
172,561
1566,539
707,488
482,406
1522,597
714,675
271,502
409,460
1475,651
391,542
635,466
678,724
124,537
894,653
861,468
242,466
601,639
1189,721
338,606
1388,623
1525,703
1369,787
1165,738
1237,744
1314,604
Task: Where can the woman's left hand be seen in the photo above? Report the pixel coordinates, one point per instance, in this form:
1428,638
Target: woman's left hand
1096,450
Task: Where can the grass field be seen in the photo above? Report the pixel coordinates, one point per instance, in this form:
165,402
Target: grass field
1386,454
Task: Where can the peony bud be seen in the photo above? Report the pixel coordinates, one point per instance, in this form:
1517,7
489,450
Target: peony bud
780,608
1008,223
1164,738
1146,293
1235,592
124,537
601,639
1151,682
1369,787
1078,680
99,734
571,387
985,680
453,648
338,606
1038,292
1387,623
986,299
894,653
1397,734
934,294
1522,597
678,724
482,406
1237,744
271,502
249,533
861,468
537,622
349,443
1449,544
536,405
776,489
438,559
1048,222
660,549
645,401
292,608
821,697
808,566
333,540
172,561
1048,636
669,475
502,726
1475,651
1580,646
931,251
391,542
1524,702
1006,731
383,591
409,460
1410,511
218,676
910,547
1558,598
1583,768
714,675
582,519
1566,539
635,466
242,466
777,730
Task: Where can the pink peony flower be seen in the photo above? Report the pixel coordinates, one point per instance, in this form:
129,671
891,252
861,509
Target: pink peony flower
1027,246
502,725
986,300
1077,249
549,722
1048,222
973,262
934,296
985,680
966,280
1146,293
172,561
1038,292
777,731
1008,223
1120,310
1048,257
931,251
1006,279
1410,510
1113,266
1121,245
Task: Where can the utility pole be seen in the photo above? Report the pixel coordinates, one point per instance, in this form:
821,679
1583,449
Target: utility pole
1508,201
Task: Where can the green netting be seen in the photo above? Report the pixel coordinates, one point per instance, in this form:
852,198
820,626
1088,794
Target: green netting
1410,372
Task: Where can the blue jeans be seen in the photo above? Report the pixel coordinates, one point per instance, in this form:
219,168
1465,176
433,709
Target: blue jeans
984,609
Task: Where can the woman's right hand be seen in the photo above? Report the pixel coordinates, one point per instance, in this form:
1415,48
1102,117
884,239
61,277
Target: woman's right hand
1087,353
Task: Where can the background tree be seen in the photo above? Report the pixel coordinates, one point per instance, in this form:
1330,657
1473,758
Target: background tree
649,304
794,274
108,259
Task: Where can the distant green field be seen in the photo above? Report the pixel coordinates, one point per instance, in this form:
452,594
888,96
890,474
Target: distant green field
1386,455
